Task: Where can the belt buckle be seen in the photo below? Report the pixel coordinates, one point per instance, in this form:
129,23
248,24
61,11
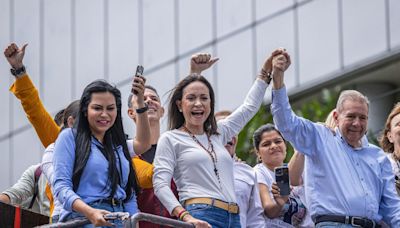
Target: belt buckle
352,221
113,202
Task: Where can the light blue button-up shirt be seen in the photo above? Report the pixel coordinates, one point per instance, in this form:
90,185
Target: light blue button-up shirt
94,184
340,179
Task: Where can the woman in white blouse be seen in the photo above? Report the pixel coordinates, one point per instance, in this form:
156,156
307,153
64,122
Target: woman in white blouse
193,153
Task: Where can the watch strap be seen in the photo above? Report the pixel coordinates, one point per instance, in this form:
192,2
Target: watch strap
142,110
18,72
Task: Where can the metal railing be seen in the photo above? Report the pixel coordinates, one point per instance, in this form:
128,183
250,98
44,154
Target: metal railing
155,219
130,223
69,224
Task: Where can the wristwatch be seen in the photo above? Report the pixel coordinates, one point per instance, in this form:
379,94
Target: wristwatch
142,110
18,72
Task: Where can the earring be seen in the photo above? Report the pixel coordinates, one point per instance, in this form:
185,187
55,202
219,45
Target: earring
180,110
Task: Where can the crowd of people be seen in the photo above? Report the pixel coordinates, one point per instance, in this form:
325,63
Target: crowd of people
191,172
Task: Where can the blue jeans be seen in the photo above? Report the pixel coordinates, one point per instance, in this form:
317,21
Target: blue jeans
216,217
98,205
333,224
55,218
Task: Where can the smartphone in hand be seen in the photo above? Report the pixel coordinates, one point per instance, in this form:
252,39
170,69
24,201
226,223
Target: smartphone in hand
282,180
139,73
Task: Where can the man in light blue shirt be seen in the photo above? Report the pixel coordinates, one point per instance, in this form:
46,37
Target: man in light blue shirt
348,180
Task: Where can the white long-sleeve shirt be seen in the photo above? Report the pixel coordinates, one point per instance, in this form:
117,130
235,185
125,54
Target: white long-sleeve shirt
248,196
48,171
180,157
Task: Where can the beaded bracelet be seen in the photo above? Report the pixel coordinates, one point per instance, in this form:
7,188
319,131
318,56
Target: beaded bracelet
266,76
182,215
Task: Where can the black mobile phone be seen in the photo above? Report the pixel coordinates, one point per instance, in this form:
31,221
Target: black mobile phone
282,180
139,73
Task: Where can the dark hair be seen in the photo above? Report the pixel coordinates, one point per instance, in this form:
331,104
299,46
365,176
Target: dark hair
58,118
176,118
71,110
384,142
257,136
112,139
131,94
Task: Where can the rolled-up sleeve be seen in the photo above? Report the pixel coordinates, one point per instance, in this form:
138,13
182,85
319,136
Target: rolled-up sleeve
24,187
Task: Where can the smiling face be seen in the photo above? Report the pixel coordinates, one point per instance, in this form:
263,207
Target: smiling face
272,149
352,120
101,113
195,106
155,112
393,134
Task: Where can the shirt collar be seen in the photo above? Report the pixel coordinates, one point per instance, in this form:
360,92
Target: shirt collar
364,140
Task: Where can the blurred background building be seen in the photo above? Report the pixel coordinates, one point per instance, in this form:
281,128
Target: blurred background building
351,43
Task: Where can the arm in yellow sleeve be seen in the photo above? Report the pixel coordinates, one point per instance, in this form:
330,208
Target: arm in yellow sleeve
144,172
45,127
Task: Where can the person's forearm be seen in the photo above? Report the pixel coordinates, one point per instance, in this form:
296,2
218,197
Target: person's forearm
277,79
81,207
177,210
273,210
23,188
4,198
194,71
296,168
142,141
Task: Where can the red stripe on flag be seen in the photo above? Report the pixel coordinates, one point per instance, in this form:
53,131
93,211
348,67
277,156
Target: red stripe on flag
17,217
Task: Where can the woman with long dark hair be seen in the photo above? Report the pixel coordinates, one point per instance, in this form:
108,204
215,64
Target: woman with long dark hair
93,169
193,151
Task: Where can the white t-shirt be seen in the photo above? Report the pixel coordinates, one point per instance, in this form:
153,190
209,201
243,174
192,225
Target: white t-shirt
267,177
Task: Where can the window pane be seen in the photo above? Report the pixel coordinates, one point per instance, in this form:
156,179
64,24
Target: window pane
364,34
318,40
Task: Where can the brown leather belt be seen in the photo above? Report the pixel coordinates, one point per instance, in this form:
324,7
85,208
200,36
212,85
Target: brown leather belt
230,207
352,220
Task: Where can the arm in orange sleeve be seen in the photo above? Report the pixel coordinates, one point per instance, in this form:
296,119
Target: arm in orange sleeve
45,127
144,172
